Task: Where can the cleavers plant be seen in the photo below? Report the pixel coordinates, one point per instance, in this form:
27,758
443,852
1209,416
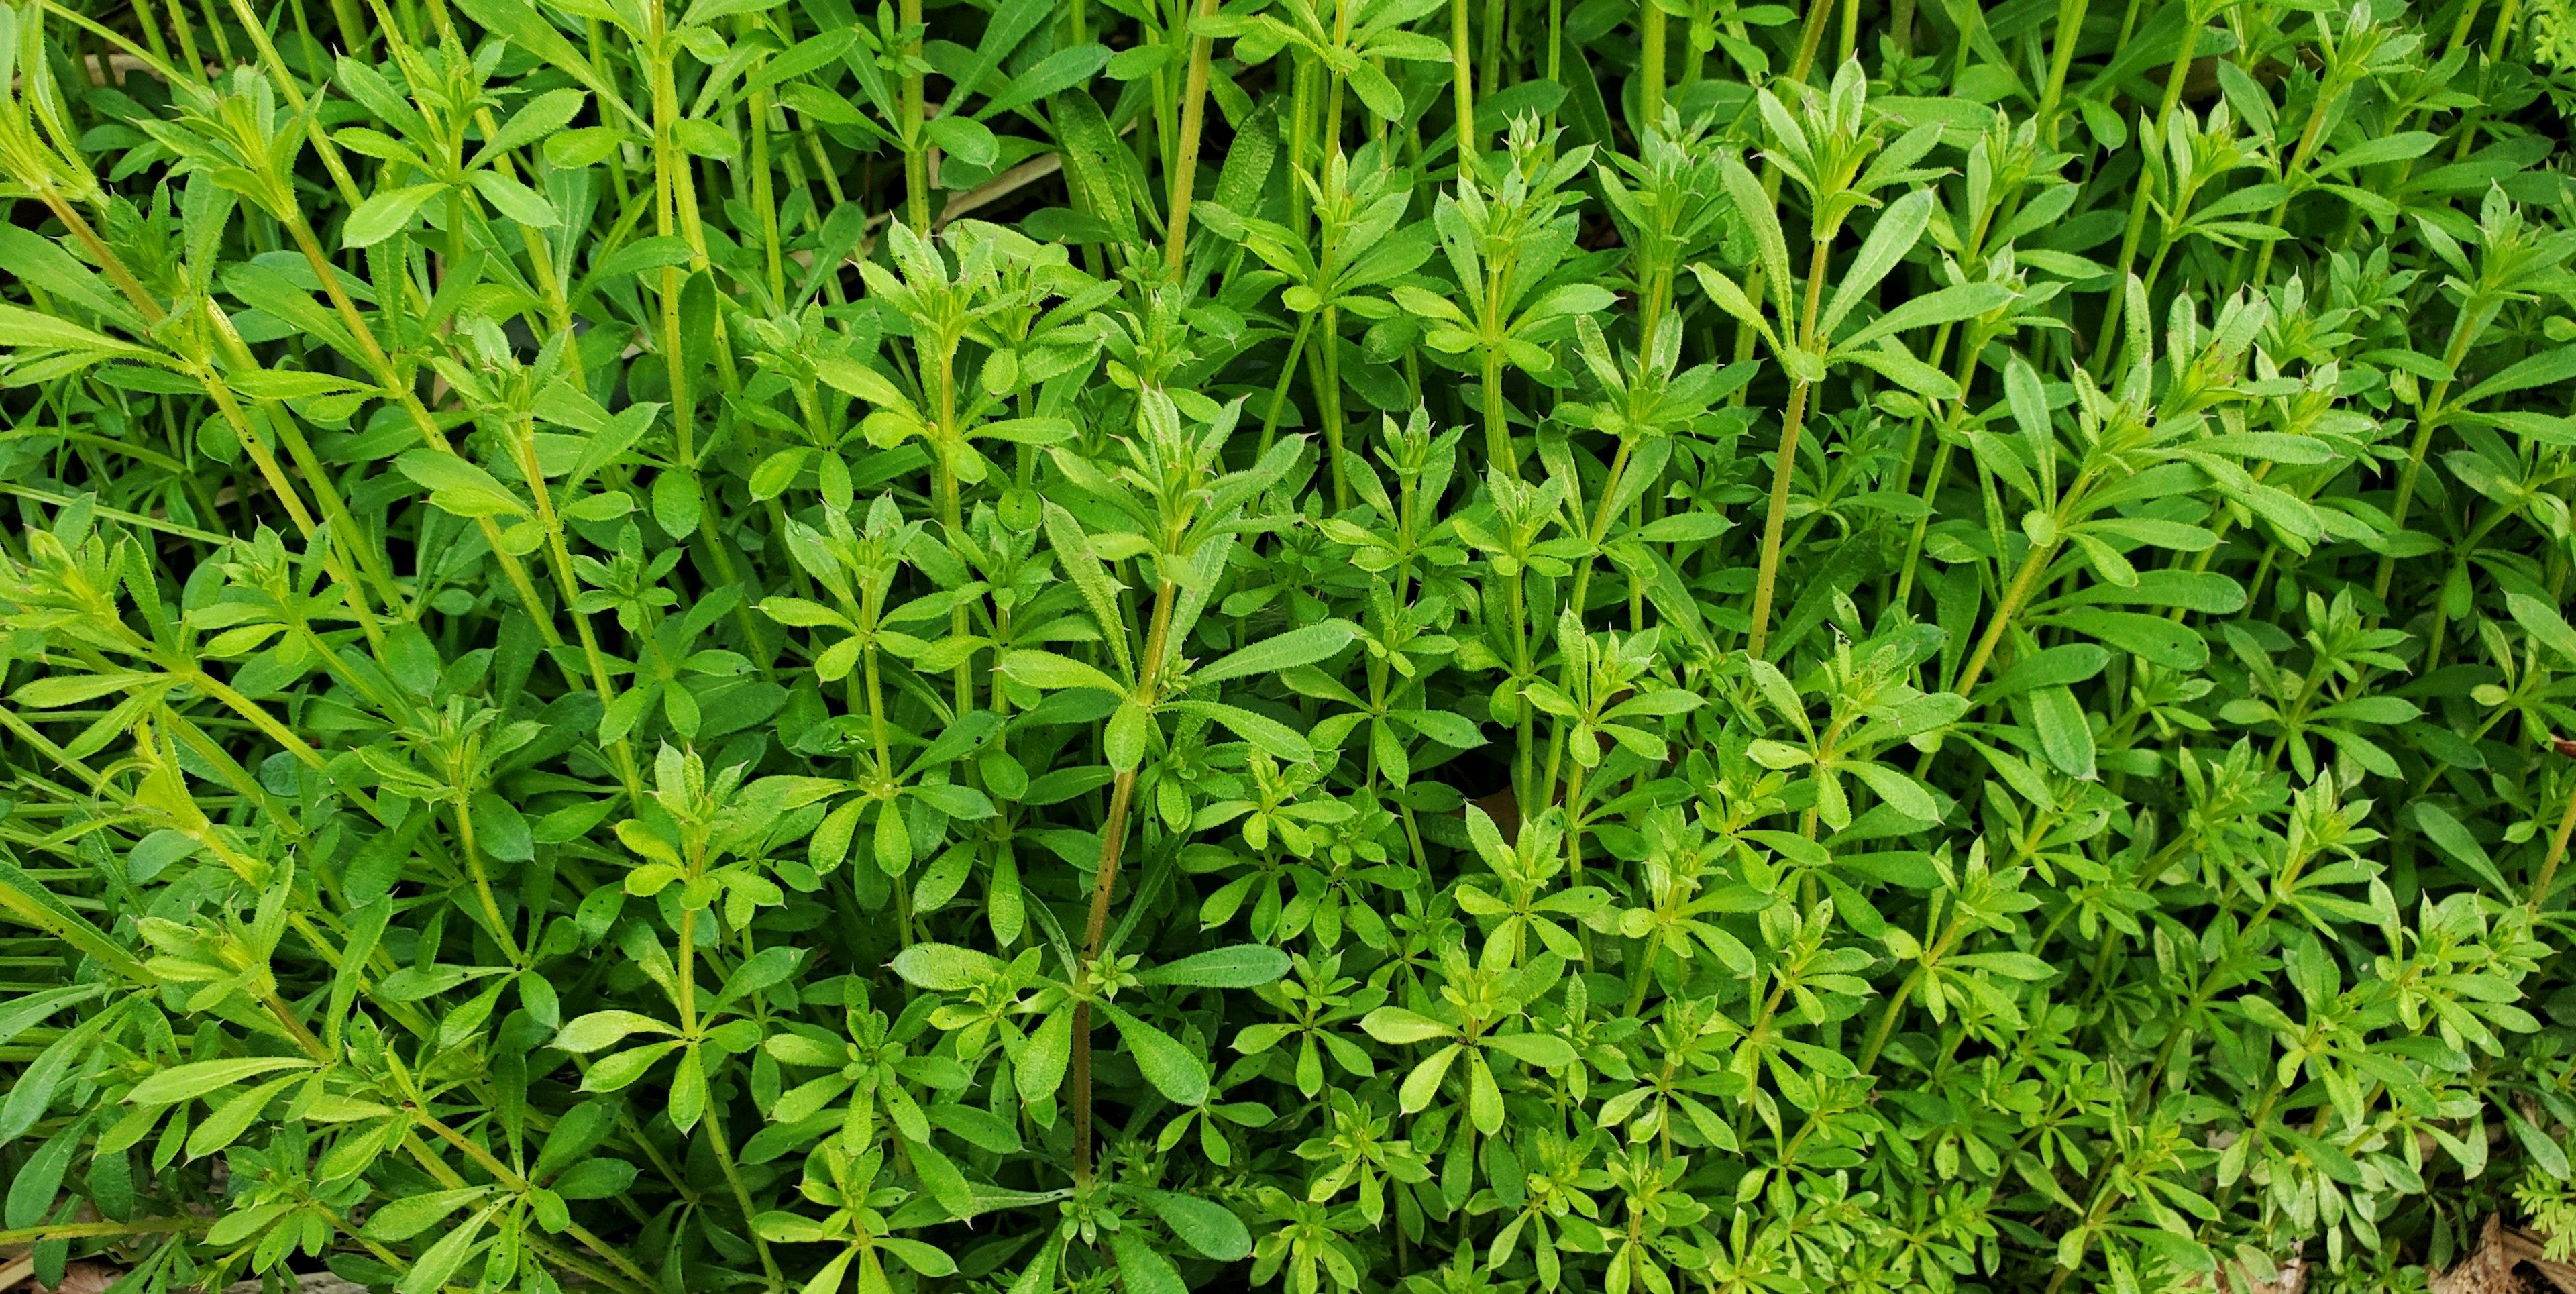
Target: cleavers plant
1351,645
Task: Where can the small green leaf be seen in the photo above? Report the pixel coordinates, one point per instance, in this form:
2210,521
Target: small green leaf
382,216
1396,1026
1275,655
1204,1225
1169,1066
197,1078
458,486
1239,966
945,967
401,1219
605,1028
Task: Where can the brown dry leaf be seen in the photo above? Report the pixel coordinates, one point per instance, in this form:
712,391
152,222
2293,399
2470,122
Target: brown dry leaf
95,1278
2292,1278
308,1283
78,1278
2507,1261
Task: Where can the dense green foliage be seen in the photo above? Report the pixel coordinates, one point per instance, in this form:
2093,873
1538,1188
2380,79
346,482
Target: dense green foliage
1040,646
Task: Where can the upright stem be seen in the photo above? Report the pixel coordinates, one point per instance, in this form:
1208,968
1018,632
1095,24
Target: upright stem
1813,35
1193,121
561,559
2138,206
1784,470
321,139
2070,25
1577,600
1645,971
2298,163
764,198
1279,392
2427,418
1121,797
2476,117
348,539
2557,853
398,381
713,1118
1331,139
1464,83
1526,729
1499,447
190,61
2024,580
1651,32
1574,846
916,152
1301,215
1113,841
471,853
732,1167
2103,1197
1969,346
1774,519
668,159
1325,367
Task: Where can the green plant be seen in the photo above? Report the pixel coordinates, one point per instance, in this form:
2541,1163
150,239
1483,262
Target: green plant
994,647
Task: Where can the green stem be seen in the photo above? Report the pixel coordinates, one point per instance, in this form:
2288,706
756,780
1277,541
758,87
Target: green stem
2557,853
2137,227
723,1149
37,1235
2298,164
1279,391
1463,84
1500,449
2024,580
1577,602
2103,1196
2070,25
1186,159
1651,33
1784,469
916,150
472,856
1645,972
1325,368
1113,841
1774,518
2428,416
1526,729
